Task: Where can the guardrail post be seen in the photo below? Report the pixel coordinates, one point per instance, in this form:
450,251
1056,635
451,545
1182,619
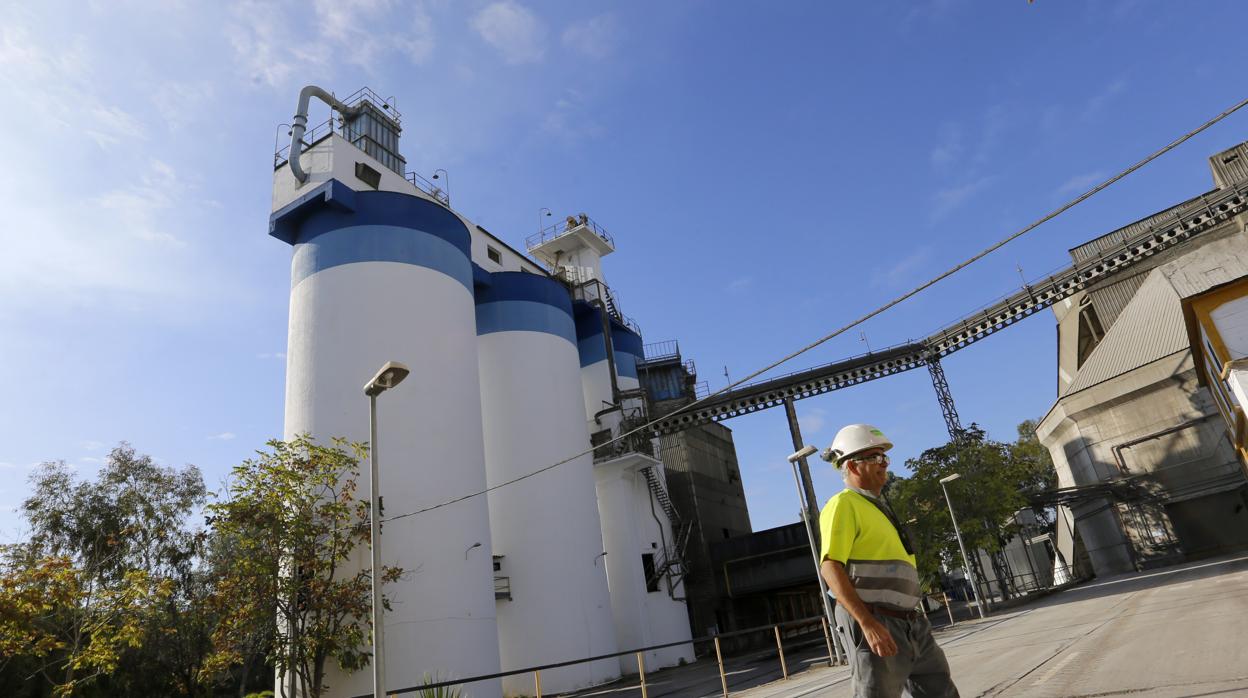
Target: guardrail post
641,671
827,637
719,657
784,668
537,683
948,608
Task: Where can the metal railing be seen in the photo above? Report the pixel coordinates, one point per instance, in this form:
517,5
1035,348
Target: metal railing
779,632
566,226
502,588
667,349
440,195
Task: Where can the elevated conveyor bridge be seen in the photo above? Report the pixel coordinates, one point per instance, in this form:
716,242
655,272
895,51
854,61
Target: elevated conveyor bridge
1139,242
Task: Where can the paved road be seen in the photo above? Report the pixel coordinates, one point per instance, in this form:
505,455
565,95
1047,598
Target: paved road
1178,631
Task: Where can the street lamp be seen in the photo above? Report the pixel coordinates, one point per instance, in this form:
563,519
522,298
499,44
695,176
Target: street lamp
390,375
540,224
966,564
447,178
794,460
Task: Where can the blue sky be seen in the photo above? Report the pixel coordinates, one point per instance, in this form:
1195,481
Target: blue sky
769,171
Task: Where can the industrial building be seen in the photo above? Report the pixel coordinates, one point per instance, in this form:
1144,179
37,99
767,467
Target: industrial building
516,364
1147,432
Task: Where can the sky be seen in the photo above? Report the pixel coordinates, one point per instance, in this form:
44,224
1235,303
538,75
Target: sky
769,171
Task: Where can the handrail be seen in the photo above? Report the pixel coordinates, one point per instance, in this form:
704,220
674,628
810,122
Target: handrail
813,620
566,226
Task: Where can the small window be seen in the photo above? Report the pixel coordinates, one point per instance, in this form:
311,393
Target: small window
494,255
1090,331
647,568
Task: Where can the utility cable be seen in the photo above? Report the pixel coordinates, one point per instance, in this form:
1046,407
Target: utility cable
905,296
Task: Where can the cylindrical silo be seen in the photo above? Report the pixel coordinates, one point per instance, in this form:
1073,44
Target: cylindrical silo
380,276
553,601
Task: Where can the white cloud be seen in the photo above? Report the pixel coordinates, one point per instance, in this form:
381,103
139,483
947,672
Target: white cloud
813,421
265,49
945,201
272,355
570,121
739,284
1097,103
949,149
1080,183
93,445
902,269
223,436
513,30
358,27
595,37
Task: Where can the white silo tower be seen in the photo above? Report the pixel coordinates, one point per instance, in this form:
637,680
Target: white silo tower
646,595
553,603
382,272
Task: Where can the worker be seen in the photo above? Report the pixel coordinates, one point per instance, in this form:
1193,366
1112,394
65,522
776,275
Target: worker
869,566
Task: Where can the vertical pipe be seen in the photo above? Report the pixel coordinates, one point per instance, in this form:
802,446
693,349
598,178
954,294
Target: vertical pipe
374,544
719,657
948,608
784,668
537,683
641,671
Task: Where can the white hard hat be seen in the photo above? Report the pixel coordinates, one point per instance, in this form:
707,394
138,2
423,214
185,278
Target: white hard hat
852,439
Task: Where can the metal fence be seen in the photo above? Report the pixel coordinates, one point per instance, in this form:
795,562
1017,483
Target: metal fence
803,630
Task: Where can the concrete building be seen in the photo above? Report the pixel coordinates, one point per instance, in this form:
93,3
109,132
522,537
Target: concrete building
1148,470
704,482
516,364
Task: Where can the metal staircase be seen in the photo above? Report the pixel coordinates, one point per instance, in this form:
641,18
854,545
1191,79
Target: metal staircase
672,563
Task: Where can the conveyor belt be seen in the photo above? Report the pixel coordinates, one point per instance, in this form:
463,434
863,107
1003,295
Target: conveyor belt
1165,231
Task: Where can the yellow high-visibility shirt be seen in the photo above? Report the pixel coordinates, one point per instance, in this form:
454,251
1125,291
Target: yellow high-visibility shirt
858,535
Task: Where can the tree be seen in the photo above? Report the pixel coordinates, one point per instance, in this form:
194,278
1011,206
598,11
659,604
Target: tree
293,522
118,555
996,481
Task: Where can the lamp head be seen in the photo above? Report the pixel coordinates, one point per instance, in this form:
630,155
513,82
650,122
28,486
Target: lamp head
805,452
950,478
389,376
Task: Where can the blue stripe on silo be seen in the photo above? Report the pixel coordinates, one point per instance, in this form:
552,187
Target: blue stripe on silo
382,227
628,350
515,300
524,316
379,243
589,334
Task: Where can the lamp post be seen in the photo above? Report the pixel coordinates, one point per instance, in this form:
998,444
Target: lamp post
795,460
543,211
447,178
390,375
966,564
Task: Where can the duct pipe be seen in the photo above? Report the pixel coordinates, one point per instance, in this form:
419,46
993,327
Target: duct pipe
301,124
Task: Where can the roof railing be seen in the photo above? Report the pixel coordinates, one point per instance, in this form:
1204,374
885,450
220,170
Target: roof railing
566,226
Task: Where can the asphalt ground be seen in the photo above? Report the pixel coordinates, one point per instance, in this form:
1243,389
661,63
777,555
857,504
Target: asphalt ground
1175,631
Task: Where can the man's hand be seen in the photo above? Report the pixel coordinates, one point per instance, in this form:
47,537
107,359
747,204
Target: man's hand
878,637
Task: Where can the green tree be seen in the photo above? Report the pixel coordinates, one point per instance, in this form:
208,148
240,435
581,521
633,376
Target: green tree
122,555
996,481
293,522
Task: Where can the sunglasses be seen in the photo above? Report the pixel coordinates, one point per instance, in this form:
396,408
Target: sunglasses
878,458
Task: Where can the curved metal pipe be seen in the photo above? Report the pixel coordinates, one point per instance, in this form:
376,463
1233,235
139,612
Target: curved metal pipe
301,124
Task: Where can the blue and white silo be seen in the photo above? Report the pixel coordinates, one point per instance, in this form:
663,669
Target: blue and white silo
552,584
382,273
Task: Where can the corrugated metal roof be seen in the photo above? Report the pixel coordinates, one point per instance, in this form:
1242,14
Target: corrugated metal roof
1230,165
1219,262
1110,300
1149,328
1095,247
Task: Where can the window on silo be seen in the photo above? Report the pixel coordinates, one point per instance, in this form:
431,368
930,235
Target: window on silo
647,568
1090,331
494,255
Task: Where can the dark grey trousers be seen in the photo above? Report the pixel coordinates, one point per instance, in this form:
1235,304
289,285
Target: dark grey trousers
919,666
